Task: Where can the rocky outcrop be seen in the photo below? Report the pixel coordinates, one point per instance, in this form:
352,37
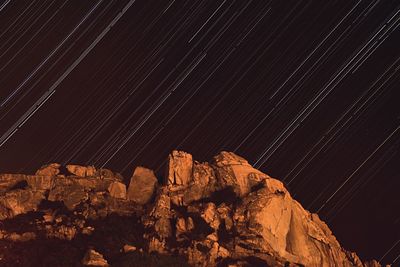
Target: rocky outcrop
99,191
82,171
235,172
188,180
51,169
222,213
270,220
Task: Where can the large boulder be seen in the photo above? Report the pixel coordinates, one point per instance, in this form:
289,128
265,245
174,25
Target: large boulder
51,169
235,172
81,171
142,185
117,190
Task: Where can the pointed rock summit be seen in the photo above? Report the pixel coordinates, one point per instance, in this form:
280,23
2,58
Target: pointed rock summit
221,213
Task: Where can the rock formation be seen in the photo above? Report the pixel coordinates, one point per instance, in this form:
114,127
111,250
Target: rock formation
93,258
142,185
222,213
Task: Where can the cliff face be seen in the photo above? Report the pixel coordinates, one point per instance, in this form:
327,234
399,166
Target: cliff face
222,213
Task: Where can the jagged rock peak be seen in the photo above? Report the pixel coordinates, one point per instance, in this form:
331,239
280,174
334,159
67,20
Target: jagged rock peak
221,213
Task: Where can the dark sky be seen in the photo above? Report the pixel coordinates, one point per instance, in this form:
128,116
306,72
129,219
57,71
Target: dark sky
307,91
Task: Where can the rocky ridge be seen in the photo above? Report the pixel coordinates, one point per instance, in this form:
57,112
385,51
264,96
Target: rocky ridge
222,213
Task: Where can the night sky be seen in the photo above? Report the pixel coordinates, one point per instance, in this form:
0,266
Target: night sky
307,91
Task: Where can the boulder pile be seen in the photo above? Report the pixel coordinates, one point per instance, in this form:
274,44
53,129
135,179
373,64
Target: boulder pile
221,213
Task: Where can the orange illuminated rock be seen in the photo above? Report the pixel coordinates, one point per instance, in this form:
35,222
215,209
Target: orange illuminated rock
179,168
81,171
51,169
93,258
222,213
117,190
142,185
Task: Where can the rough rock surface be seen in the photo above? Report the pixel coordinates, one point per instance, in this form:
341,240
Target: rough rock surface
81,171
51,169
117,190
180,166
142,185
93,258
222,213
19,201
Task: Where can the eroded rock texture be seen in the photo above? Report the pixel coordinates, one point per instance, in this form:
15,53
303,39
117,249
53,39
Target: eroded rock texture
222,213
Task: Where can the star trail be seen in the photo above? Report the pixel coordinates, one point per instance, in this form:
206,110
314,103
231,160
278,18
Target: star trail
307,91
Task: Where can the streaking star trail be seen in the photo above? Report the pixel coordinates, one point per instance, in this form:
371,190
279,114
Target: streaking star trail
308,91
